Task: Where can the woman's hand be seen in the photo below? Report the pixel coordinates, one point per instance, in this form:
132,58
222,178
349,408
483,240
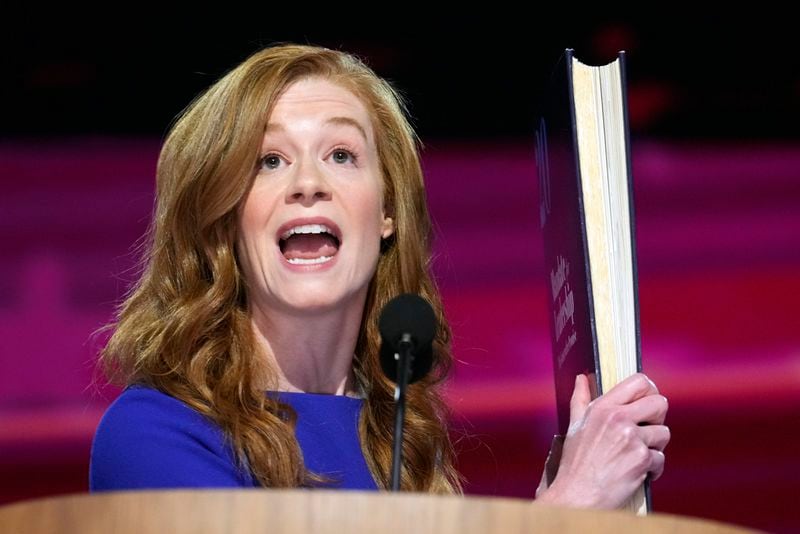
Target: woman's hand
606,454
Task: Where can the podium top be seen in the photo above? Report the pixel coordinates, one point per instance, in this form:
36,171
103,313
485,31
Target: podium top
322,511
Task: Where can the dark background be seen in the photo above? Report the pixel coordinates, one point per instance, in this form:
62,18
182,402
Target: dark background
691,75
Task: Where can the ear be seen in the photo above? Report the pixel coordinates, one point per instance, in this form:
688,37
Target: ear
387,227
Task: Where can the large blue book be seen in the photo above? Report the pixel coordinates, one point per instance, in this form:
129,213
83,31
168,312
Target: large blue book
587,220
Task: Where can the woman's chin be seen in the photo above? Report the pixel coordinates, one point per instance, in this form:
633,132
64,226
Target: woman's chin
310,301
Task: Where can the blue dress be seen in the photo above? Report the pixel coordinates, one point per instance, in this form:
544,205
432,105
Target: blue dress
147,439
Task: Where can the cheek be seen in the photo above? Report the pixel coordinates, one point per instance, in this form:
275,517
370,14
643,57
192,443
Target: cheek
370,213
252,240
255,214
250,208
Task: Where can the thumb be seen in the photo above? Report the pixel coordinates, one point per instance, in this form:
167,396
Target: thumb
581,397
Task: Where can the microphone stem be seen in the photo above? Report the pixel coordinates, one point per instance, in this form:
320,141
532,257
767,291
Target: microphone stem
403,357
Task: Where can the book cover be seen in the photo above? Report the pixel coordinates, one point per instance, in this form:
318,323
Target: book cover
573,311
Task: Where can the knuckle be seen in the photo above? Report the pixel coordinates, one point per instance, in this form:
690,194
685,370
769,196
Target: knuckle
639,379
664,404
642,457
645,383
628,434
615,417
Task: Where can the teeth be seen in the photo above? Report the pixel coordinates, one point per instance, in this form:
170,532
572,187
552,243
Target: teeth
311,261
307,229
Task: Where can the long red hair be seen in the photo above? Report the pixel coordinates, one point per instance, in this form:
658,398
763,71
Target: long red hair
185,329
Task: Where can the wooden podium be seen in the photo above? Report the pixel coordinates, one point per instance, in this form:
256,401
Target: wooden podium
318,512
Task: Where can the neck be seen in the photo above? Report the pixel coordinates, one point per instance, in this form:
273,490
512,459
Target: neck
310,353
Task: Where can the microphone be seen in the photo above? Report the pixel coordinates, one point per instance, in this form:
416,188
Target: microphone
407,325
412,315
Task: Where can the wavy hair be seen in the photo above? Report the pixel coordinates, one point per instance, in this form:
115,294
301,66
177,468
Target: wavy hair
184,328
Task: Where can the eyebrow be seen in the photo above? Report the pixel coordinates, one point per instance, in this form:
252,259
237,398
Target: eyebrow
338,121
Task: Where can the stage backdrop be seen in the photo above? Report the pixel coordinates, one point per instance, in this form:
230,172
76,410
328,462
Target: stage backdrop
719,265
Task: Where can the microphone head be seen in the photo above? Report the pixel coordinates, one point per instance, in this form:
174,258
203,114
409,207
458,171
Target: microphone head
413,315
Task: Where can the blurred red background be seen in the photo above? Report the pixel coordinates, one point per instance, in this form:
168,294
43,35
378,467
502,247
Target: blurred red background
717,250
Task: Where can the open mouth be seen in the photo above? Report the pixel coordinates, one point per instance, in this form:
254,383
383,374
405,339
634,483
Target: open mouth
309,244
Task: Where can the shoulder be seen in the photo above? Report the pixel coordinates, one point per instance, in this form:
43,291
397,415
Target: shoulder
140,411
148,439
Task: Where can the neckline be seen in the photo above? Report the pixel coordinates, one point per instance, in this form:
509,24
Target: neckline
304,394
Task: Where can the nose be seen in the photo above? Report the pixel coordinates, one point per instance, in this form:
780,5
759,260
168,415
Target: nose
308,185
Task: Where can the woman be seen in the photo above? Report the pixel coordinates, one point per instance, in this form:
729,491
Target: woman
290,209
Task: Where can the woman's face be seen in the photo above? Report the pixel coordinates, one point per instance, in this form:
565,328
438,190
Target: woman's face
311,225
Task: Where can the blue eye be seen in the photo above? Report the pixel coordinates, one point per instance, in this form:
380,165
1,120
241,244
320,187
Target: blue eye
270,162
340,155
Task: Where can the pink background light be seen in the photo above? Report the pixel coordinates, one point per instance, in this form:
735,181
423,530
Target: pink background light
718,235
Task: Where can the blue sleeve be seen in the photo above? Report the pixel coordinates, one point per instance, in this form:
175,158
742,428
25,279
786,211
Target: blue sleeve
147,439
